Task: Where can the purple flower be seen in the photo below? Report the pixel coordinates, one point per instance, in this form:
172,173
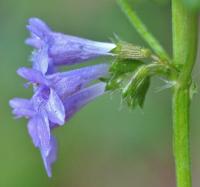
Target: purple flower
54,48
57,97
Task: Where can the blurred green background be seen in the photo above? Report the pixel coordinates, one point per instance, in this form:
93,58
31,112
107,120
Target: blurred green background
105,144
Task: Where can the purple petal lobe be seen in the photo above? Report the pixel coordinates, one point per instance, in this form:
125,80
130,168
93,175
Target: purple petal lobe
43,131
33,131
55,108
51,157
38,128
32,75
38,27
22,112
34,41
41,60
21,107
20,102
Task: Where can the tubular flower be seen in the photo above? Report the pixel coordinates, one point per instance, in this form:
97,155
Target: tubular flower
57,97
54,48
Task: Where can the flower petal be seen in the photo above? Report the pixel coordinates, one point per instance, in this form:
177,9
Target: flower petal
32,75
55,108
20,102
21,107
51,157
41,60
33,132
77,101
90,72
38,27
68,83
66,49
34,41
43,131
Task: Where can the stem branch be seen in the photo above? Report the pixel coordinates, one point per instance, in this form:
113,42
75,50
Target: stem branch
142,30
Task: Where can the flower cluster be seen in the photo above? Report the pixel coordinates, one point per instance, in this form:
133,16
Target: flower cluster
57,95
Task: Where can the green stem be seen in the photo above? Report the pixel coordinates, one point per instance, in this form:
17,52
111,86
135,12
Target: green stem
181,145
184,52
142,30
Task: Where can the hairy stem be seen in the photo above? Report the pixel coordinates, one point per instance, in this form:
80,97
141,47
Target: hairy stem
142,30
184,51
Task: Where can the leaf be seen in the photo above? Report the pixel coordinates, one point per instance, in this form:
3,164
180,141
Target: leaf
142,91
137,93
121,66
119,71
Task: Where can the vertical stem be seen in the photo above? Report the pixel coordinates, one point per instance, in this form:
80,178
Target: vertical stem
184,33
181,147
184,52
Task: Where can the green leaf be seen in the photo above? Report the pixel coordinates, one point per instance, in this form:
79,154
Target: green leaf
135,91
132,77
142,91
136,96
119,71
121,66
